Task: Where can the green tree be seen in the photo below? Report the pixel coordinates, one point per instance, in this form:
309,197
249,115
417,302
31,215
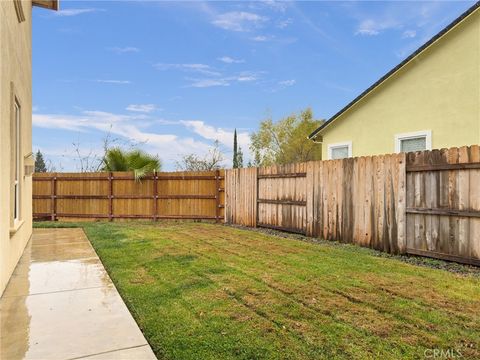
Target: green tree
239,157
40,163
135,160
235,150
285,141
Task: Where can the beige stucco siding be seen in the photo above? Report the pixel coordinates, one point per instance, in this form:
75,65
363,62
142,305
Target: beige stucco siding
439,90
15,66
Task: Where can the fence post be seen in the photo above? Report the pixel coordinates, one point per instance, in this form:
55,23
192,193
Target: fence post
309,193
53,206
217,196
155,196
110,196
402,204
256,205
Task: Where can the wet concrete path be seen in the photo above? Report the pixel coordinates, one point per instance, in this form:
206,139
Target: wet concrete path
61,304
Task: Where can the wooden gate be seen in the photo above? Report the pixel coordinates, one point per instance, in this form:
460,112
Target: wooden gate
443,204
281,198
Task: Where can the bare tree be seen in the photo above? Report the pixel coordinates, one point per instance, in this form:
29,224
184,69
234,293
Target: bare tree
51,167
91,161
211,161
86,161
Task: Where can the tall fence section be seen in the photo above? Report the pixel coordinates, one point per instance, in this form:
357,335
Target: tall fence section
116,195
424,203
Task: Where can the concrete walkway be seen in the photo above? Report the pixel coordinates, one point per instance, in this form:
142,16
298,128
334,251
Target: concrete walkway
61,304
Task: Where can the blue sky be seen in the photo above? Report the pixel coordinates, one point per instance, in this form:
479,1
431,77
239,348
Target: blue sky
175,76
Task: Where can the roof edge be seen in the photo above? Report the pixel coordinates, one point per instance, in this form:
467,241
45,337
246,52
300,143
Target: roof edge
436,37
47,4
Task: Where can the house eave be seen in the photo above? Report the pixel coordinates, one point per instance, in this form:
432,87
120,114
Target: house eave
47,4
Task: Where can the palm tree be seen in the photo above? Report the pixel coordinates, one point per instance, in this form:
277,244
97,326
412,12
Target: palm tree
135,160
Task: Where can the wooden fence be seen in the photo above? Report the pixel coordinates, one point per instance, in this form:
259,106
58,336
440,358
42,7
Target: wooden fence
116,195
423,203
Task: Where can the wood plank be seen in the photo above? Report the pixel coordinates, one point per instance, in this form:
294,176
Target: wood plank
453,248
474,196
442,167
445,212
463,193
401,204
444,256
282,202
282,176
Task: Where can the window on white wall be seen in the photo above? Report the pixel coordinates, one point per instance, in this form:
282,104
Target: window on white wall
339,151
17,164
415,141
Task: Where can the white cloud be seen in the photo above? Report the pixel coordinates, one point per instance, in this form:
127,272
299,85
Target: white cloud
225,137
145,108
118,82
369,27
198,68
244,76
239,21
136,128
230,60
132,127
282,24
408,34
281,85
210,76
280,6
260,38
123,50
205,83
408,20
64,122
286,83
75,12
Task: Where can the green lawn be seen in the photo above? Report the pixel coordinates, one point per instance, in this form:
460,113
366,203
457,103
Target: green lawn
206,291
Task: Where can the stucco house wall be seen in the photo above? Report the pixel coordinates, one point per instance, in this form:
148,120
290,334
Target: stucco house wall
15,68
438,90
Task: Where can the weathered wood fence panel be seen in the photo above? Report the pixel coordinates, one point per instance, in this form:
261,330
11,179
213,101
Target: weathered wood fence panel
116,195
359,201
282,197
241,204
443,204
424,203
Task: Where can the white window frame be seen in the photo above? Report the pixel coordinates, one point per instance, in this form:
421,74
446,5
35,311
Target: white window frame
338,145
427,134
18,151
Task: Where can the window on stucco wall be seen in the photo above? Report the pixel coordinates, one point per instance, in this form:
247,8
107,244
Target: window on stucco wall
414,141
16,148
339,150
